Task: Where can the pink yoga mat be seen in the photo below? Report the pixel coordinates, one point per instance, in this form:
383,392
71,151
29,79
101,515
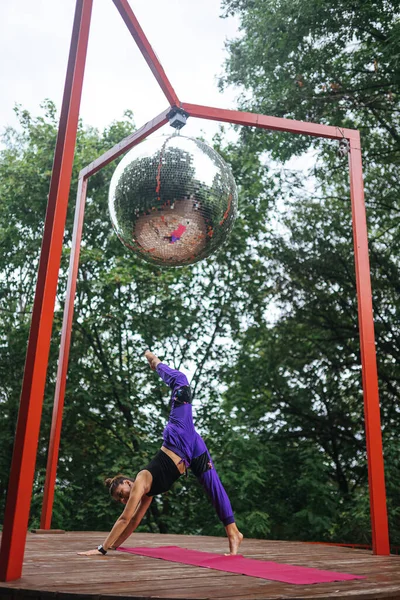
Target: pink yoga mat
244,566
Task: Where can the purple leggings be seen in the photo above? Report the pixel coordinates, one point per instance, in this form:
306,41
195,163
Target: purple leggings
181,437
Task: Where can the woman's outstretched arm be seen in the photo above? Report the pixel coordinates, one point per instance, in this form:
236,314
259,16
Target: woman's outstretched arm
172,377
135,521
140,487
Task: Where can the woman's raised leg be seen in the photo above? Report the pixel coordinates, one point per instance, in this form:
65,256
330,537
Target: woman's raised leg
203,467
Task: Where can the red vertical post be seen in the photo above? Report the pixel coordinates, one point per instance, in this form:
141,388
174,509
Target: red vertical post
376,475
28,425
56,423
55,434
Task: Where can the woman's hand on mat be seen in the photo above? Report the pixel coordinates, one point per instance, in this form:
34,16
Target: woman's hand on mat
91,553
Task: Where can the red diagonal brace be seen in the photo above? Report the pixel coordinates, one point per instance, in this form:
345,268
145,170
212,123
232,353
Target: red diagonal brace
267,122
126,144
144,46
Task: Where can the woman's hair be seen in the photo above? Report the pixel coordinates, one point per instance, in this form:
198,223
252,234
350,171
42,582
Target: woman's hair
113,482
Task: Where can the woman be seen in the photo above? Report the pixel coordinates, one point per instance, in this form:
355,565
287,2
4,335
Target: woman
182,448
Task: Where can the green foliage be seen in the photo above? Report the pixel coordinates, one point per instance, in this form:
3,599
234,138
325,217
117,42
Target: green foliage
299,361
115,408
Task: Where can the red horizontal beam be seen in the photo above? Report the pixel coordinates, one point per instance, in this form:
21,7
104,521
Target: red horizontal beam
127,143
145,48
265,122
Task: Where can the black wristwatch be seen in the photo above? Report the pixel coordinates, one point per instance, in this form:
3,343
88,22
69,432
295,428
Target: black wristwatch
101,549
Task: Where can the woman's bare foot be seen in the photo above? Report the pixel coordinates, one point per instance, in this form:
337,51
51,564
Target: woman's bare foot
234,537
152,359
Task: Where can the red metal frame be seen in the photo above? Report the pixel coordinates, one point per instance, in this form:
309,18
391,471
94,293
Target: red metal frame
27,434
376,472
55,432
28,425
141,40
265,122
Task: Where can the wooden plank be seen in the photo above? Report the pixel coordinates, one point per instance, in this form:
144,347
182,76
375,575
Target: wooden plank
47,531
52,569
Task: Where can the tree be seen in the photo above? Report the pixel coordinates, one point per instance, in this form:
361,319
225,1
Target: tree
115,409
335,64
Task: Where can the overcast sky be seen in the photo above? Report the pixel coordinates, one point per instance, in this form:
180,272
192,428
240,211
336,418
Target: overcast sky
187,35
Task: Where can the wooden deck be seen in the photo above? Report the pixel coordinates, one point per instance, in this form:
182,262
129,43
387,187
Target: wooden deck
52,570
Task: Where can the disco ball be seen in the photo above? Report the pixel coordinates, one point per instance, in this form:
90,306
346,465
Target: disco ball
172,200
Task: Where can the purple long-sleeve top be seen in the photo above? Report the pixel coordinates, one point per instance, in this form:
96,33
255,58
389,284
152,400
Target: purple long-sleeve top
179,434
